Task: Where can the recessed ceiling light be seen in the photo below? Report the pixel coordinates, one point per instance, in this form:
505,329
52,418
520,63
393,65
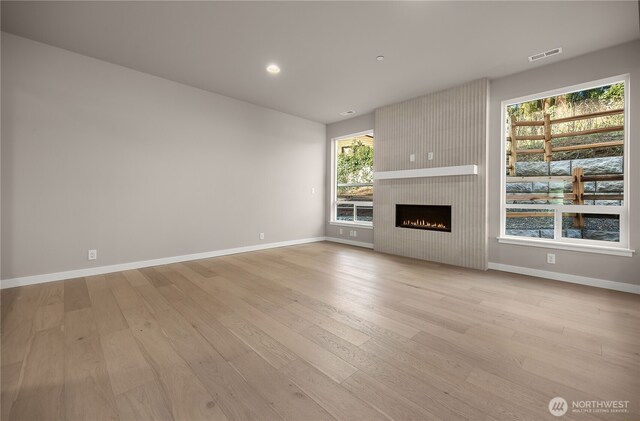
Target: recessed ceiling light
348,112
273,69
380,58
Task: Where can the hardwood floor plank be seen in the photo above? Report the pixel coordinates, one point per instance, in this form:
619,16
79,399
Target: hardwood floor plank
286,398
443,361
475,397
47,404
537,402
44,363
155,277
127,297
593,381
135,278
219,337
144,402
7,298
317,331
96,283
234,395
421,393
10,383
200,269
49,316
41,392
108,315
178,276
474,349
88,393
154,301
494,362
187,397
339,329
289,319
329,364
115,279
76,295
334,398
342,315
264,345
386,400
17,321
151,340
411,363
171,293
125,363
15,341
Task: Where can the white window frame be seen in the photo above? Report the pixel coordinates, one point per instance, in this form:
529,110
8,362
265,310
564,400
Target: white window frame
334,182
620,248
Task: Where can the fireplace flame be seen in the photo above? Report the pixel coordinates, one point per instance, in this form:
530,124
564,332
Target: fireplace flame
421,223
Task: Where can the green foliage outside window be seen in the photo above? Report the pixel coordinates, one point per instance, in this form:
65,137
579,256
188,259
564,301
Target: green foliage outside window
355,164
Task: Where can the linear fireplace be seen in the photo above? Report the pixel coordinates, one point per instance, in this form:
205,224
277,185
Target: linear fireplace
424,217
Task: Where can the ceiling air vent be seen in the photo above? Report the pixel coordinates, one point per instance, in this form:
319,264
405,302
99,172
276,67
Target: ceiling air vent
545,54
349,112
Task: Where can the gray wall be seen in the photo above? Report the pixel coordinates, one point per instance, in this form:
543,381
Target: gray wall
610,62
453,125
96,155
344,128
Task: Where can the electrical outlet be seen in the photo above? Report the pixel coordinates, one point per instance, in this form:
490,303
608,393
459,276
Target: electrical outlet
412,157
341,231
92,254
551,258
430,156
313,190
262,235
355,233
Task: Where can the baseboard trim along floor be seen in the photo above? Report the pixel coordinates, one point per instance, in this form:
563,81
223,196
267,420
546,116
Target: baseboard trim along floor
79,273
565,277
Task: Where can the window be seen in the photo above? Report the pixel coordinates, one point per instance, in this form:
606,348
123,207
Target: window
352,198
565,178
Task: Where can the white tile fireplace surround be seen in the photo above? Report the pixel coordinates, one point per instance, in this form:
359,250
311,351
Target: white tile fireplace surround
451,124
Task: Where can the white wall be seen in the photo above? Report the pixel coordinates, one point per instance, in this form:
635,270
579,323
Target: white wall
598,65
96,155
353,125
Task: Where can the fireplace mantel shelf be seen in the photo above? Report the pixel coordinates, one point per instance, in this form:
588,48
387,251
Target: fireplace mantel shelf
427,172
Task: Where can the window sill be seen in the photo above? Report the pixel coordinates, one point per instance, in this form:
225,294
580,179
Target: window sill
352,224
587,248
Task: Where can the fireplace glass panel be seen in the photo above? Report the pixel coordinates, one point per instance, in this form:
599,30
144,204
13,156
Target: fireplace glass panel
424,217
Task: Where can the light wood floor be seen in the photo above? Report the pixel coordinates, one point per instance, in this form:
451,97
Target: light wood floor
315,332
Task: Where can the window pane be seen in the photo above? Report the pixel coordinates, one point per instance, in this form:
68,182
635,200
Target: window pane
567,149
591,226
530,223
354,179
364,213
362,193
538,192
344,212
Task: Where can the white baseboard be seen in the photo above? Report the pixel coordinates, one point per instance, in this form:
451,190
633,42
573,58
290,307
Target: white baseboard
565,277
349,242
58,276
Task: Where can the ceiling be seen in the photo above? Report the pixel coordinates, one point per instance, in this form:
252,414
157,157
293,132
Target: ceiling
327,50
